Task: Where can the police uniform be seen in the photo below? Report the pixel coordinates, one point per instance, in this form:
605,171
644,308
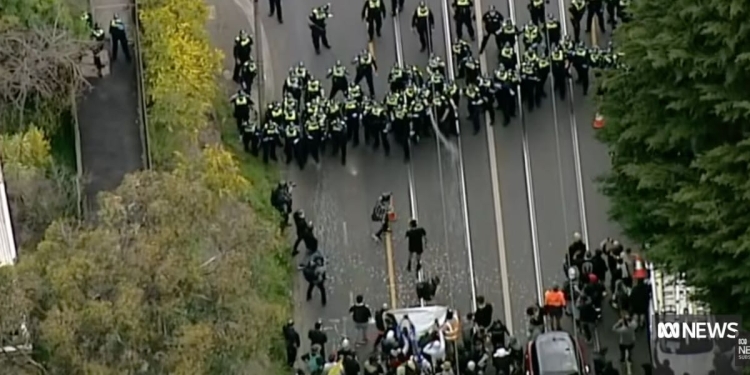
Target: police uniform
242,52
505,93
275,6
318,19
542,72
508,33
314,135
446,115
463,12
472,71
493,22
462,52
419,119
249,136
270,140
577,9
313,91
293,147
339,82
241,103
581,63
402,128
486,89
476,105
531,35
97,35
508,58
536,10
352,118
396,79
373,12
338,138
119,36
293,87
559,71
366,66
377,127
424,22
594,8
248,72
529,83
552,27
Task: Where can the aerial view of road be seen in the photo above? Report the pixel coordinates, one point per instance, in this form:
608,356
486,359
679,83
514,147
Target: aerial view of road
499,207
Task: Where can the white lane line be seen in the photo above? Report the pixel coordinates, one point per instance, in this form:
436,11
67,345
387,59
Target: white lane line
346,234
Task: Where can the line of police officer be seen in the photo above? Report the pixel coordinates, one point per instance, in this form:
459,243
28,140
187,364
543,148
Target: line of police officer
545,52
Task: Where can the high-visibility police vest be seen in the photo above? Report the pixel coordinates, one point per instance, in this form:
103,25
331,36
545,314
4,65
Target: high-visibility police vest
537,3
551,25
528,69
471,92
374,4
578,5
377,111
462,3
250,66
98,34
290,116
365,60
543,63
452,89
339,71
423,11
291,82
333,107
400,113
312,125
530,32
507,52
624,3
249,127
243,41
557,56
350,104
338,126
277,112
509,29
314,86
355,91
117,24
639,268
292,131
241,100
581,52
319,14
505,76
271,128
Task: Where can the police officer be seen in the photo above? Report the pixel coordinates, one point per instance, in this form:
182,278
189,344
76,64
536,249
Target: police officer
396,79
97,35
118,34
580,60
424,23
314,91
577,9
536,10
366,66
435,66
508,58
504,93
317,23
242,104
87,19
531,36
293,145
248,72
487,90
275,113
552,28
463,13
445,113
270,140
314,138
542,73
415,75
529,83
250,137
377,125
352,114
338,138
402,128
612,6
472,70
419,117
594,8
339,82
509,32
373,13
559,71
476,105
461,52
276,8
493,23
242,52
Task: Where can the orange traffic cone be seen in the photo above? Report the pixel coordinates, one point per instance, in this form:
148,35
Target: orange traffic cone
598,121
392,213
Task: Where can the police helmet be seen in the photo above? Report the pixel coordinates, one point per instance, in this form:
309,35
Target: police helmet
550,16
492,8
327,7
338,62
507,45
422,4
352,85
116,16
508,22
243,33
301,64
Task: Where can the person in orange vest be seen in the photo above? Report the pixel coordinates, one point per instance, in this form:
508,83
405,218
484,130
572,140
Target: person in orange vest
639,268
554,304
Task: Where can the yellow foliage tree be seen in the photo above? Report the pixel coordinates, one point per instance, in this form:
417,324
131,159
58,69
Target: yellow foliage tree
174,278
218,169
181,73
39,190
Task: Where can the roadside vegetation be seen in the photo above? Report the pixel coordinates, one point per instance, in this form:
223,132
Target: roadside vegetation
183,270
678,125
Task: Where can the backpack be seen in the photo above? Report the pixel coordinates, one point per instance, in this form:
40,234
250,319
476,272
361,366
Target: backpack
378,212
313,363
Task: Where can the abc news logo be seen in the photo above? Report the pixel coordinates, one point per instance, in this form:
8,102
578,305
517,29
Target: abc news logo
698,329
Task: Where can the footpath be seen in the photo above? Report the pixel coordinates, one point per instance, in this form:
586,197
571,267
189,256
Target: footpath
108,115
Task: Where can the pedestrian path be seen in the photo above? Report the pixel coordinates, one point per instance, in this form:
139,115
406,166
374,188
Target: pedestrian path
108,115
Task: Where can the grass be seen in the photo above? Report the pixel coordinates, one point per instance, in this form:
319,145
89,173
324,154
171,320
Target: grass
62,142
276,270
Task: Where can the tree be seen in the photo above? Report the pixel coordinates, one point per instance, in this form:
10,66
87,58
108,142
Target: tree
176,277
678,123
39,189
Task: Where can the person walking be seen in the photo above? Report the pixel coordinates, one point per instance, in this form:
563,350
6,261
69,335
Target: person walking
361,315
417,237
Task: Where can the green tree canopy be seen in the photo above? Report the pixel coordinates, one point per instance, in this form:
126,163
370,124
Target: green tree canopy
678,125
175,277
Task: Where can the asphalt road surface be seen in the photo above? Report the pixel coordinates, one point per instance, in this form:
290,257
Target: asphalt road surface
339,198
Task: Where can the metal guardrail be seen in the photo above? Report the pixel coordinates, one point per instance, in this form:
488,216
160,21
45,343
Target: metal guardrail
142,108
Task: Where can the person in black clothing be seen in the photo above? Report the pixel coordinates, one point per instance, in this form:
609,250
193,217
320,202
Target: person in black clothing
497,332
351,365
417,240
383,320
493,22
483,314
291,338
311,242
314,271
318,337
577,246
119,36
242,51
594,8
276,8
424,23
380,214
373,13
301,223
281,199
361,315
599,265
426,289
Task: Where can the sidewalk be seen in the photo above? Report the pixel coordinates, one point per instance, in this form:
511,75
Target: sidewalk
108,115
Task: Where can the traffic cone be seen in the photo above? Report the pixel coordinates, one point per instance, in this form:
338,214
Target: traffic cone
392,213
598,121
640,270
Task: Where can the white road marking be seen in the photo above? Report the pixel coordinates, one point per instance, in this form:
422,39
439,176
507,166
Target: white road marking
211,12
346,234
